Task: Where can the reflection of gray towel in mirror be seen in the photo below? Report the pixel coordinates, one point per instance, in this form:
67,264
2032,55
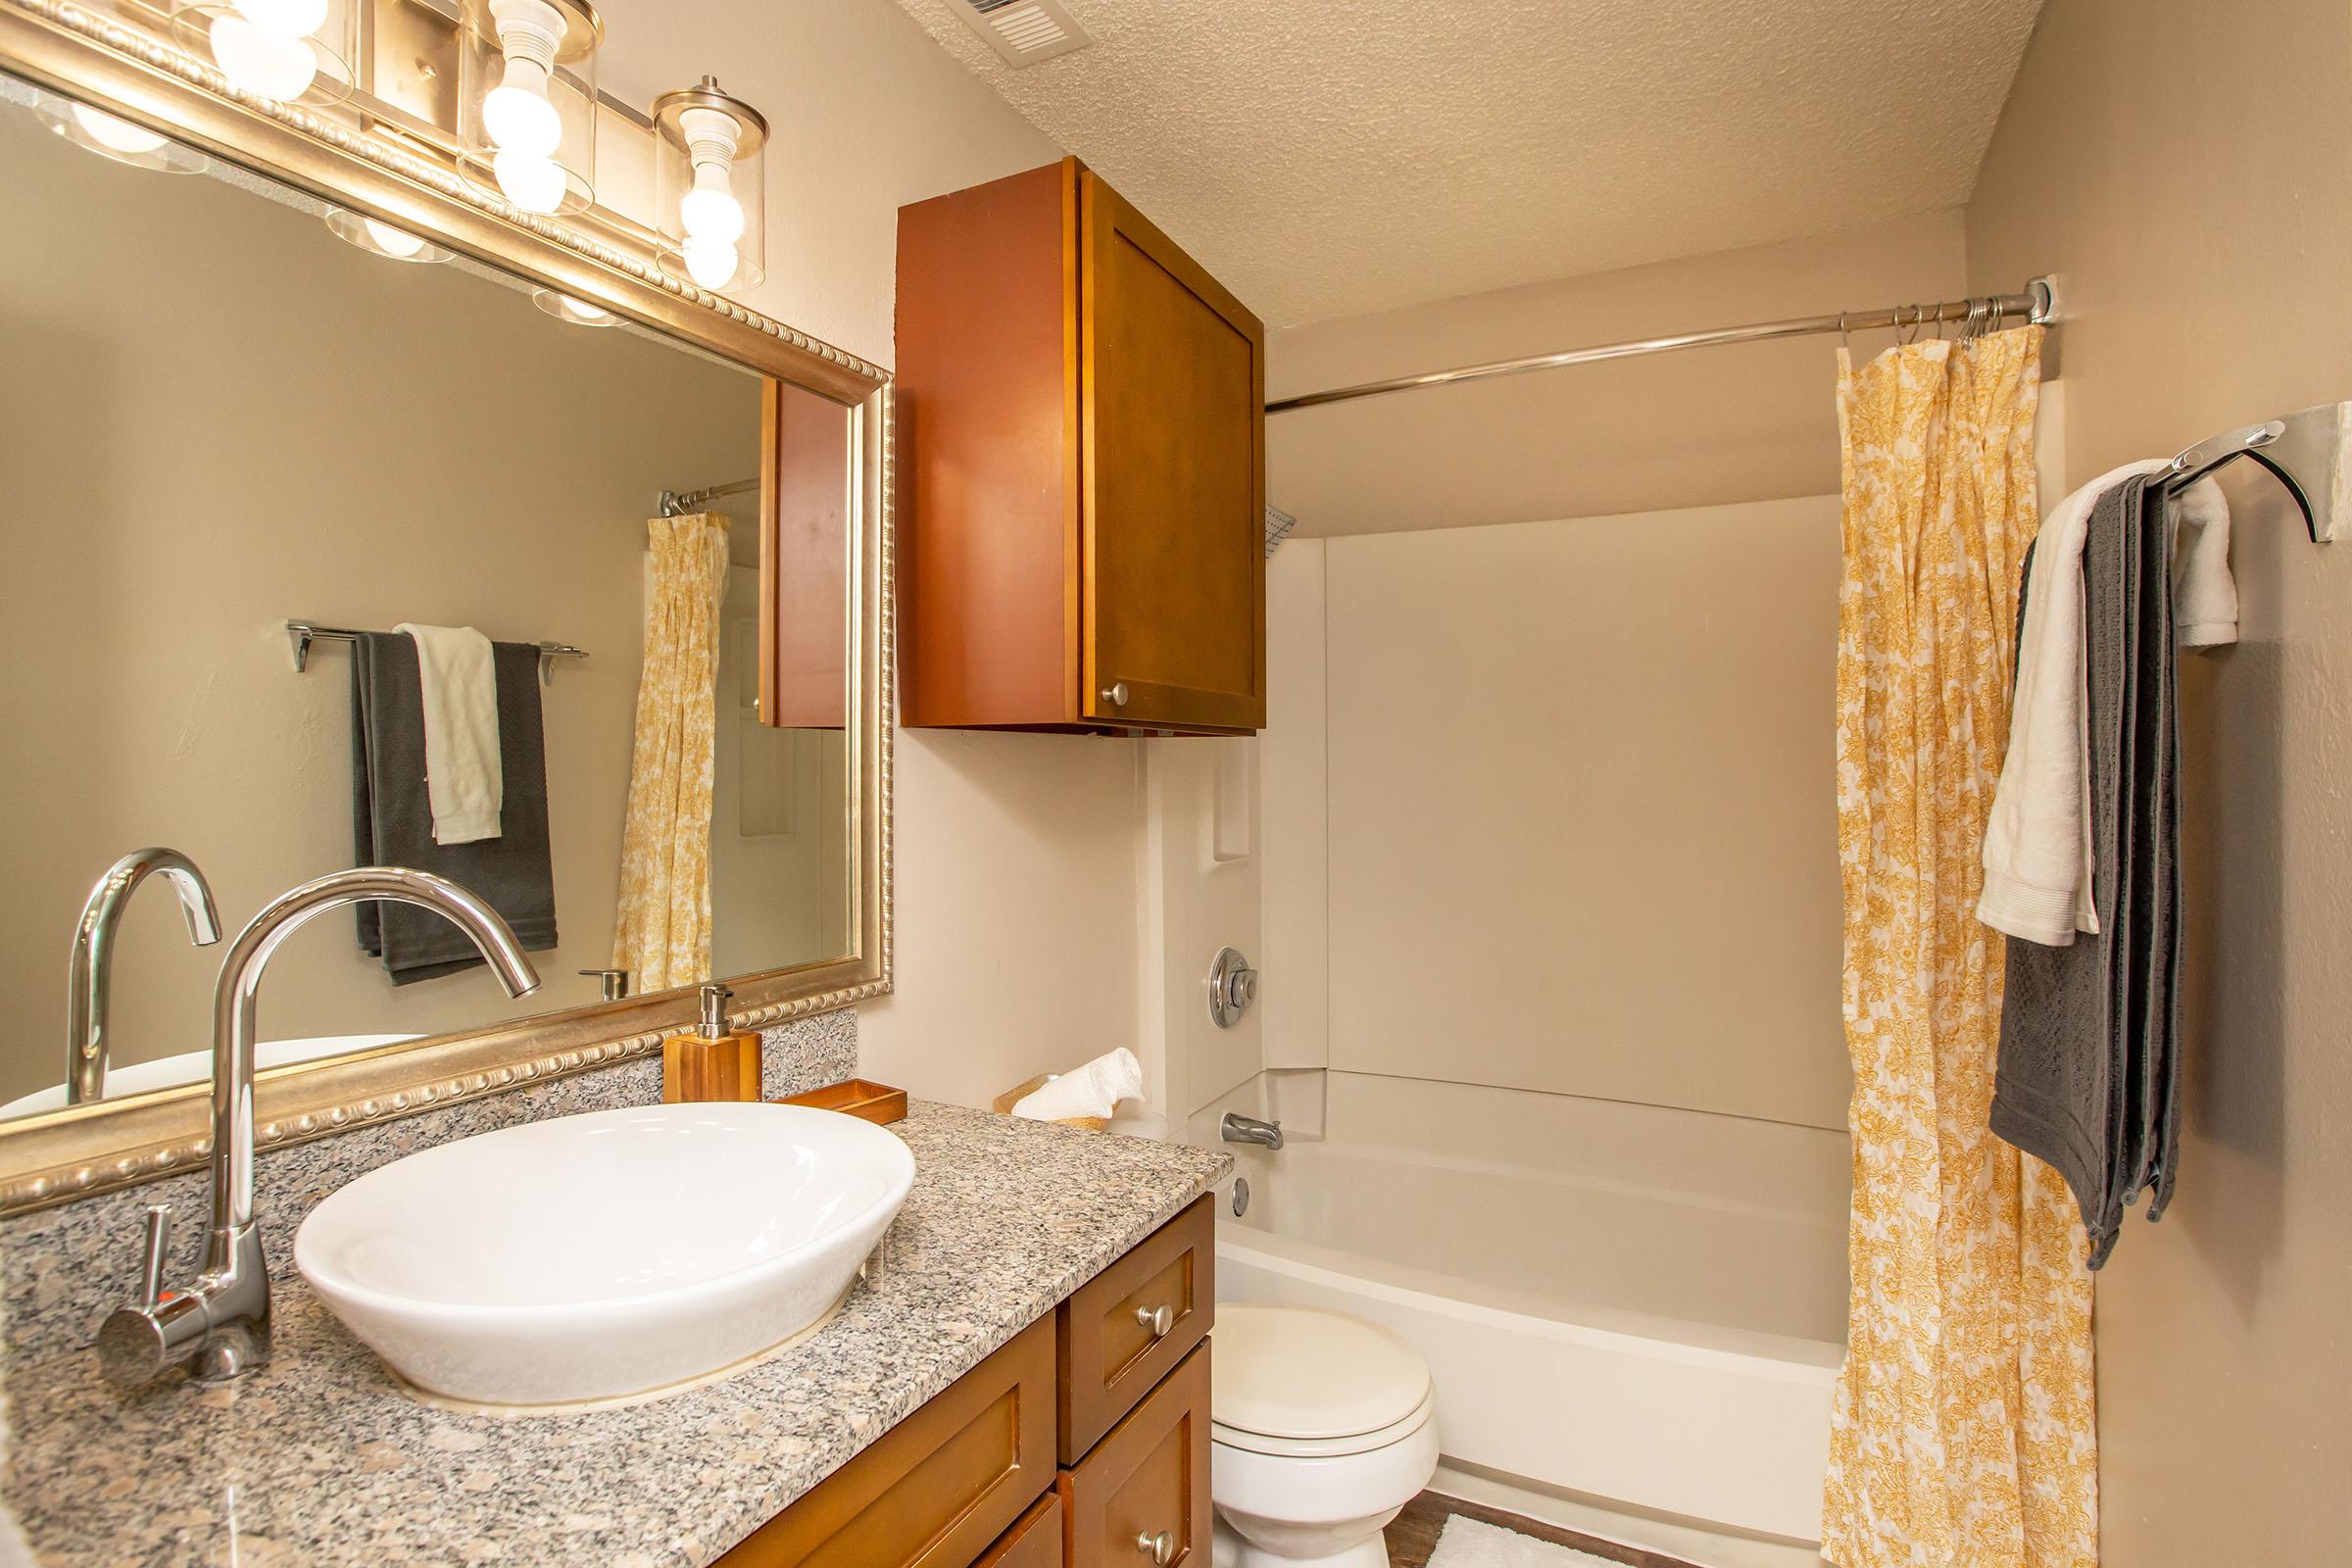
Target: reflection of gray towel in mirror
392,814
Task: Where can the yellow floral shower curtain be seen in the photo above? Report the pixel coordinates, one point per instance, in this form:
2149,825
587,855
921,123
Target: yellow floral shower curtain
662,933
1963,1430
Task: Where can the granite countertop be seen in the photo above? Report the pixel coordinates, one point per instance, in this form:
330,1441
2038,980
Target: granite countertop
319,1458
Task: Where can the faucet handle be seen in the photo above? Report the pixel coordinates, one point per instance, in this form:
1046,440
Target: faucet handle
138,1342
614,983
158,1236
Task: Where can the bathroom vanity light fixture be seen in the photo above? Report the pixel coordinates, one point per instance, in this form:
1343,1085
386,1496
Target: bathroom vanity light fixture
710,179
575,313
112,137
527,101
295,51
379,238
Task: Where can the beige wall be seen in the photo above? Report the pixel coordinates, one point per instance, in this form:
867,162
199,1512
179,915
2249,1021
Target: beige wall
2186,167
283,426
1579,829
1749,423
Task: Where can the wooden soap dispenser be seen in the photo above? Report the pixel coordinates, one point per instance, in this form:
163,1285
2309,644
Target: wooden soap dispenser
712,1063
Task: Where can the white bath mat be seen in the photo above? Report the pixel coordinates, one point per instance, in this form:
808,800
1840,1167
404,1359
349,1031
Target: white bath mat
1469,1543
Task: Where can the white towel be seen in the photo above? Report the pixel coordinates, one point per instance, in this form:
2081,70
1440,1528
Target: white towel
2038,840
462,771
2204,594
1094,1090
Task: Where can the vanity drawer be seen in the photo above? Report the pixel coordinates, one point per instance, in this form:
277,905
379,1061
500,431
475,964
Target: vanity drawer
1034,1543
1112,1352
934,1491
1148,1476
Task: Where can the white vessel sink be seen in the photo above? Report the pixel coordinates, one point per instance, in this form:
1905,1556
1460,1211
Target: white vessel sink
603,1256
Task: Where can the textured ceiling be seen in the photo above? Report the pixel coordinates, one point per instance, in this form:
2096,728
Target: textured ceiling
1330,157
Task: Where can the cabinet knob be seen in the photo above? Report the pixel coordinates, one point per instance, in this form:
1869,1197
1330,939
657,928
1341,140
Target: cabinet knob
1115,694
1162,1547
1158,1319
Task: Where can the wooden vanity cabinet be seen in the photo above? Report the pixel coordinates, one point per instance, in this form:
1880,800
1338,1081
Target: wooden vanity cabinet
969,1480
1082,468
939,1487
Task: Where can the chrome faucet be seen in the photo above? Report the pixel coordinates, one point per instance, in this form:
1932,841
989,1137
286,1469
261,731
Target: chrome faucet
1236,1128
221,1321
90,977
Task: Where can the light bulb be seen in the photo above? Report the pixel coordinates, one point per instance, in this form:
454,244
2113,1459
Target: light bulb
284,18
262,63
516,116
710,262
534,184
585,310
116,135
392,241
709,212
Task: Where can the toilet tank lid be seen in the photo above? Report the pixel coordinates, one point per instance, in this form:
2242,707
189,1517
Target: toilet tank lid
1297,1372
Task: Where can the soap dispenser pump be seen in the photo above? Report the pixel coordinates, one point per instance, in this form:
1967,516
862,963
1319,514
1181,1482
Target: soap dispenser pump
711,1064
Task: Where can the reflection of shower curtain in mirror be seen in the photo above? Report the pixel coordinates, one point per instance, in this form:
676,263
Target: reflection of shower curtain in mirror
1964,1433
662,933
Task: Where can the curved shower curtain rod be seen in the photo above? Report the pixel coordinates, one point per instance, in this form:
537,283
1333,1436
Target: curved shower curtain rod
2037,304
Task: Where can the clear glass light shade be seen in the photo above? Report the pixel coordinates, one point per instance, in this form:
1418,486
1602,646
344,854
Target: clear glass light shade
113,138
527,101
575,313
709,188
379,238
295,51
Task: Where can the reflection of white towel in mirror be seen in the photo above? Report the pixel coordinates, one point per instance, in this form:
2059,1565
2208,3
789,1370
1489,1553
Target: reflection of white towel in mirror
463,770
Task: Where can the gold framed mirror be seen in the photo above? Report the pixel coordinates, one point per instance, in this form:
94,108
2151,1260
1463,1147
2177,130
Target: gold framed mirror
373,167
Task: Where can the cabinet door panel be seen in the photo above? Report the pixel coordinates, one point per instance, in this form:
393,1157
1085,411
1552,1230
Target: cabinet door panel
1173,456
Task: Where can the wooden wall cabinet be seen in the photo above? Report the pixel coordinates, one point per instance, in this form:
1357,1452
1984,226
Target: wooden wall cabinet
969,1480
1082,462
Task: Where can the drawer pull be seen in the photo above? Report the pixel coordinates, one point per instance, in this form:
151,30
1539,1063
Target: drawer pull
1115,694
1158,1319
1162,1546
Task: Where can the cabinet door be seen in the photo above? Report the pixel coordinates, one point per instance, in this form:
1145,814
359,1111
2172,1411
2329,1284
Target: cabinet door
1148,1478
1173,573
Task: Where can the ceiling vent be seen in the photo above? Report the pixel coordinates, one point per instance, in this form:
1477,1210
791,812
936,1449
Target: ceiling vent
1023,31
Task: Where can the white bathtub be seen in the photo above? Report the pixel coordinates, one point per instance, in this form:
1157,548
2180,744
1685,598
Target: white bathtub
1665,1343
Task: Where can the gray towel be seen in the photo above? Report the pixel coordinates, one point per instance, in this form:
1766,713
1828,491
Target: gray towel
392,814
2089,1032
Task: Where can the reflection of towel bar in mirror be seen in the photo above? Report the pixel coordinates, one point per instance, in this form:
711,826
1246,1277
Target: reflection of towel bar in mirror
300,634
678,502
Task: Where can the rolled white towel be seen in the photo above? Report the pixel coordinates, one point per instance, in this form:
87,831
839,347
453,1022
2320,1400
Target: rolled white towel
1094,1090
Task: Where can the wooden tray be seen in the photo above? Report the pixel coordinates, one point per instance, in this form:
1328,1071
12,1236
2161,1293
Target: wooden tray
854,1097
1003,1104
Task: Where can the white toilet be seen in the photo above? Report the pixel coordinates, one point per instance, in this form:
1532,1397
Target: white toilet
1323,1427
